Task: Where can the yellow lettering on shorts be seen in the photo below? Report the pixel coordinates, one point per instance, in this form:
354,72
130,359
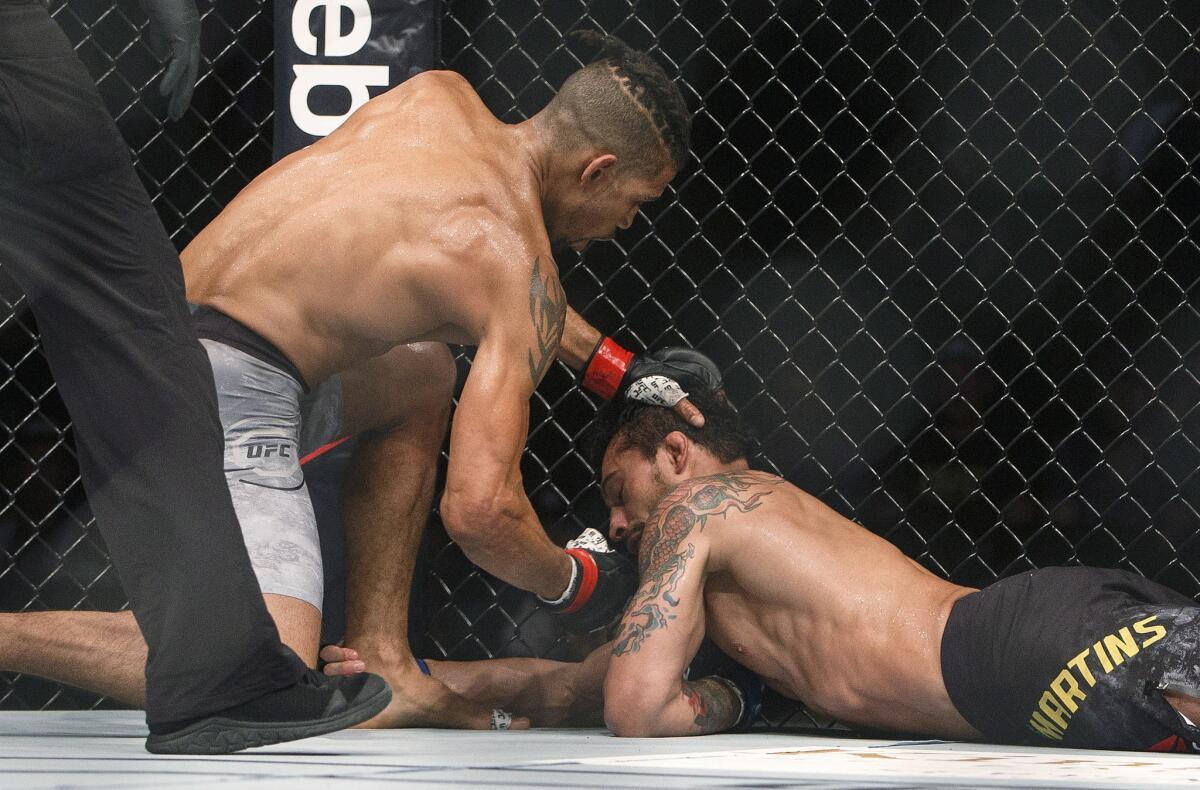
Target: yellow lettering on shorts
1054,709
1044,727
1080,662
1057,705
1121,642
1067,689
1158,630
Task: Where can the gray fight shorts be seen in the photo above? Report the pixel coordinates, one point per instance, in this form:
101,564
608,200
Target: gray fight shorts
270,424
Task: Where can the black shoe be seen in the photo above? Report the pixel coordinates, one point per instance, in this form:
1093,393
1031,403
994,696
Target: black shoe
316,705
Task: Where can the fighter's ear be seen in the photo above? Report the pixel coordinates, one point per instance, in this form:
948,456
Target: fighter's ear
597,167
678,448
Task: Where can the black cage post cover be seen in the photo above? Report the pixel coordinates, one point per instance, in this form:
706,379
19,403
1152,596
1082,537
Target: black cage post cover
331,56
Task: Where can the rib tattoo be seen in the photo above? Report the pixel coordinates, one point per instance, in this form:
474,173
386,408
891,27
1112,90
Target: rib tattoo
548,309
664,554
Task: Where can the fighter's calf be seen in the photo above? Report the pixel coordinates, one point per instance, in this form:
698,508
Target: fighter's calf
399,406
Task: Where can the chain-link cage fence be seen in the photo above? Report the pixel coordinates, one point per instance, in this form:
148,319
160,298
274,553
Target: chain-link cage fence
944,252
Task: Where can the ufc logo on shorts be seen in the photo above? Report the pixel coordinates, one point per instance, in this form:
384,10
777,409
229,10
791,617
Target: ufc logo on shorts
268,450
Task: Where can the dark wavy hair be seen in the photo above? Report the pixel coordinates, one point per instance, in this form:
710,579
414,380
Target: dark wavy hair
624,100
643,427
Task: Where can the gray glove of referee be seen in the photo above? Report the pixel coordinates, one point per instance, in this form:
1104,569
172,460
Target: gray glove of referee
174,36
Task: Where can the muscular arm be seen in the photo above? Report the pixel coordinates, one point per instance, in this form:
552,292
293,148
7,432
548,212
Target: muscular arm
644,691
579,340
548,693
484,507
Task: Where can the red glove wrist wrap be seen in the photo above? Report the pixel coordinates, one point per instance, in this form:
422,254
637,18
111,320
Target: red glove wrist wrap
587,584
606,368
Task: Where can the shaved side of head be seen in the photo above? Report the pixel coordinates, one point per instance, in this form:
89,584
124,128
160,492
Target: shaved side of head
624,103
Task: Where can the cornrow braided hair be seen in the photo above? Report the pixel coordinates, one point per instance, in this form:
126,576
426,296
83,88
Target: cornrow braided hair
652,89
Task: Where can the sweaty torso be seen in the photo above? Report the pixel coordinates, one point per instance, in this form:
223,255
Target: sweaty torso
388,231
830,614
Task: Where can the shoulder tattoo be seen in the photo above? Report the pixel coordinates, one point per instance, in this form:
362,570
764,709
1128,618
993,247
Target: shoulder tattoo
690,505
666,552
548,311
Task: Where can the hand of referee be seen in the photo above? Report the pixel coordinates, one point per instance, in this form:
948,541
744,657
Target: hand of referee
173,35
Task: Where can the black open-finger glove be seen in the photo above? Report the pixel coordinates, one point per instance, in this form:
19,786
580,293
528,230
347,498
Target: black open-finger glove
602,582
611,370
687,366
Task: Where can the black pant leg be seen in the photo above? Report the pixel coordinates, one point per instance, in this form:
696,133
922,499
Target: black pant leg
79,235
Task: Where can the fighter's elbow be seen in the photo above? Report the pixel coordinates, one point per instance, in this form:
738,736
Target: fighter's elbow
625,726
629,723
630,714
475,520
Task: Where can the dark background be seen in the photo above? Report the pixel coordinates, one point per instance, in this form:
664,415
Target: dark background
945,254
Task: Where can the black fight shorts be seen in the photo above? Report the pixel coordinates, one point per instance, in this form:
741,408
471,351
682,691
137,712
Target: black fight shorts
1075,657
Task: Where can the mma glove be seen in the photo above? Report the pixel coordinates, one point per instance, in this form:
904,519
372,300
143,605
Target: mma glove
749,689
173,35
602,582
611,370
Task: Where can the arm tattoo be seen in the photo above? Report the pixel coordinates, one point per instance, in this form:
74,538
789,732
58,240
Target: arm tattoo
548,309
647,606
715,703
690,505
665,556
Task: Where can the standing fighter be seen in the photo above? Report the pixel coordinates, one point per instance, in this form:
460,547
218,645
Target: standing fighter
422,218
79,235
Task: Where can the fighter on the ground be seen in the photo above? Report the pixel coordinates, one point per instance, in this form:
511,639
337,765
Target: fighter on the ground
833,616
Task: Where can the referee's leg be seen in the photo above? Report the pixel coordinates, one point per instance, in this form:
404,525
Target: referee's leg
79,235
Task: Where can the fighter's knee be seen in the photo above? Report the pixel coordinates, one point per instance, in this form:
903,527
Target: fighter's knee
411,387
298,622
438,373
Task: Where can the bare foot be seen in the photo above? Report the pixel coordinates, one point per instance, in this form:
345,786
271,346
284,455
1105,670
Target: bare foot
418,700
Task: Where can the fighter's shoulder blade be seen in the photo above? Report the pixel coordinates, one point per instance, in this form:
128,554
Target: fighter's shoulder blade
499,253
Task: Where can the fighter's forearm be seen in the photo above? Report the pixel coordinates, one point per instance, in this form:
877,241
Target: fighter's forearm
484,506
607,369
549,693
579,340
509,542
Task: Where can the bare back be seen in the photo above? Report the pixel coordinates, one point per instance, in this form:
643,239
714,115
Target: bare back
829,613
391,230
